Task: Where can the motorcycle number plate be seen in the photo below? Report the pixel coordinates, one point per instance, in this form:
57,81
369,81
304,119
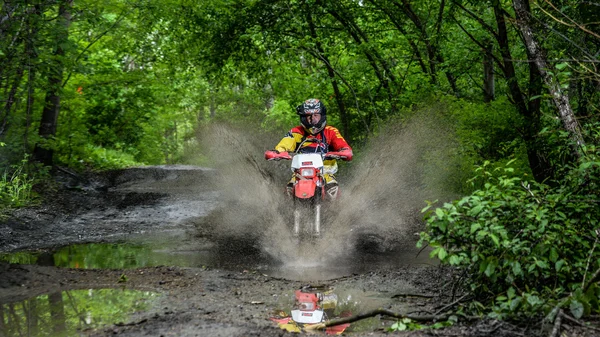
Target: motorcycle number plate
306,163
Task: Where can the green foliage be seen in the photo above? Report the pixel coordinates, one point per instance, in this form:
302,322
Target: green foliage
15,186
280,117
525,245
103,158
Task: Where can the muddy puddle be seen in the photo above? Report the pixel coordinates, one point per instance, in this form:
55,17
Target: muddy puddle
181,251
301,308
69,312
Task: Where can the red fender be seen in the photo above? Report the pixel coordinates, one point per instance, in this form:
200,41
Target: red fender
305,189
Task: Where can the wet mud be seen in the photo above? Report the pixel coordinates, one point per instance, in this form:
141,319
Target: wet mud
156,231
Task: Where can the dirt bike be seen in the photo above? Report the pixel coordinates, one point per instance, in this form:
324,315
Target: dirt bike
308,190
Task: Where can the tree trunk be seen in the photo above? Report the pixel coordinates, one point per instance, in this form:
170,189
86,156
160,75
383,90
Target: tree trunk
3,327
540,167
31,71
48,124
561,100
10,100
331,73
488,74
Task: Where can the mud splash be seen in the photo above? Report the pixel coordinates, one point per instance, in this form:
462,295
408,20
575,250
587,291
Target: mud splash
382,194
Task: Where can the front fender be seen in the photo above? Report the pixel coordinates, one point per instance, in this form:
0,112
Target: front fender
305,189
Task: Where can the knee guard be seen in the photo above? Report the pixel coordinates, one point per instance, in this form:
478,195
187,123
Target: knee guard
332,190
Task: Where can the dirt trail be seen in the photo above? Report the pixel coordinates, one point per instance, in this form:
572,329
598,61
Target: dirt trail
200,301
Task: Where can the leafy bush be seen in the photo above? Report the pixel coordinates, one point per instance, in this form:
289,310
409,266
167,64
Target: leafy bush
103,158
525,247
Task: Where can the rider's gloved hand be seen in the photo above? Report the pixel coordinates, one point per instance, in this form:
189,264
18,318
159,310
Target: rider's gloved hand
276,155
344,154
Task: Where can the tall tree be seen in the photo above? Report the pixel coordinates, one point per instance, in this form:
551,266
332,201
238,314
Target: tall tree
560,99
48,124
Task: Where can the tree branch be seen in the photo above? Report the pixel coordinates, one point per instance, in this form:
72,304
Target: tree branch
478,19
575,24
374,313
557,323
94,41
496,59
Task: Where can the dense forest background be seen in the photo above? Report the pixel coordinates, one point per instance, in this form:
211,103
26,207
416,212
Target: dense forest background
112,83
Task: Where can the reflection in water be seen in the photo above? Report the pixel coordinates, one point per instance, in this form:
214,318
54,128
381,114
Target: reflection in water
63,314
110,256
311,305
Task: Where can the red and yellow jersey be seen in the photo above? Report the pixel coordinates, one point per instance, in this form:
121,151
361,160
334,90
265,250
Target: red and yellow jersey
299,140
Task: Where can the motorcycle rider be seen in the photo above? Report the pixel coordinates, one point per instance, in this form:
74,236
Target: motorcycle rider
315,136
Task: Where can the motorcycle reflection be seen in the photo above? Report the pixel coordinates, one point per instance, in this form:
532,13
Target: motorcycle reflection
311,306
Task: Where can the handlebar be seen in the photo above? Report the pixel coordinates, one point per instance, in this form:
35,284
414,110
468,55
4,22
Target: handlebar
276,155
344,154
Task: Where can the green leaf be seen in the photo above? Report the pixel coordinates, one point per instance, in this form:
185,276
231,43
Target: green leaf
561,66
475,210
434,252
576,309
516,269
553,254
454,260
398,326
474,227
442,254
541,264
495,239
514,304
534,300
491,267
439,212
510,292
558,265
532,98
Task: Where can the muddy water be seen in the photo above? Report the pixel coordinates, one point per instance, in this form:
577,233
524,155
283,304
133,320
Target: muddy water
177,249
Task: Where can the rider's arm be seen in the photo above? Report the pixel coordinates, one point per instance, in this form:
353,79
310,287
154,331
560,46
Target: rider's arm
339,144
288,143
335,139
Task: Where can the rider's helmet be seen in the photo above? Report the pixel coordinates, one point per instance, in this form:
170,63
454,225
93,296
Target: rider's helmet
310,107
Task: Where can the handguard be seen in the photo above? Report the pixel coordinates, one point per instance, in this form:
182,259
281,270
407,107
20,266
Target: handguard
344,154
276,155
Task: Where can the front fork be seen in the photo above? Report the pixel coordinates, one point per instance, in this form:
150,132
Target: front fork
315,224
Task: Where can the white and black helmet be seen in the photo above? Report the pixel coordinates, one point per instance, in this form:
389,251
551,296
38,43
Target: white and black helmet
311,107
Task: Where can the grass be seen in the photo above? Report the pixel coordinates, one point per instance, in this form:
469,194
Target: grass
15,187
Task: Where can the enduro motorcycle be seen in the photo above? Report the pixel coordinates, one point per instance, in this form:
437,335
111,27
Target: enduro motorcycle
308,189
